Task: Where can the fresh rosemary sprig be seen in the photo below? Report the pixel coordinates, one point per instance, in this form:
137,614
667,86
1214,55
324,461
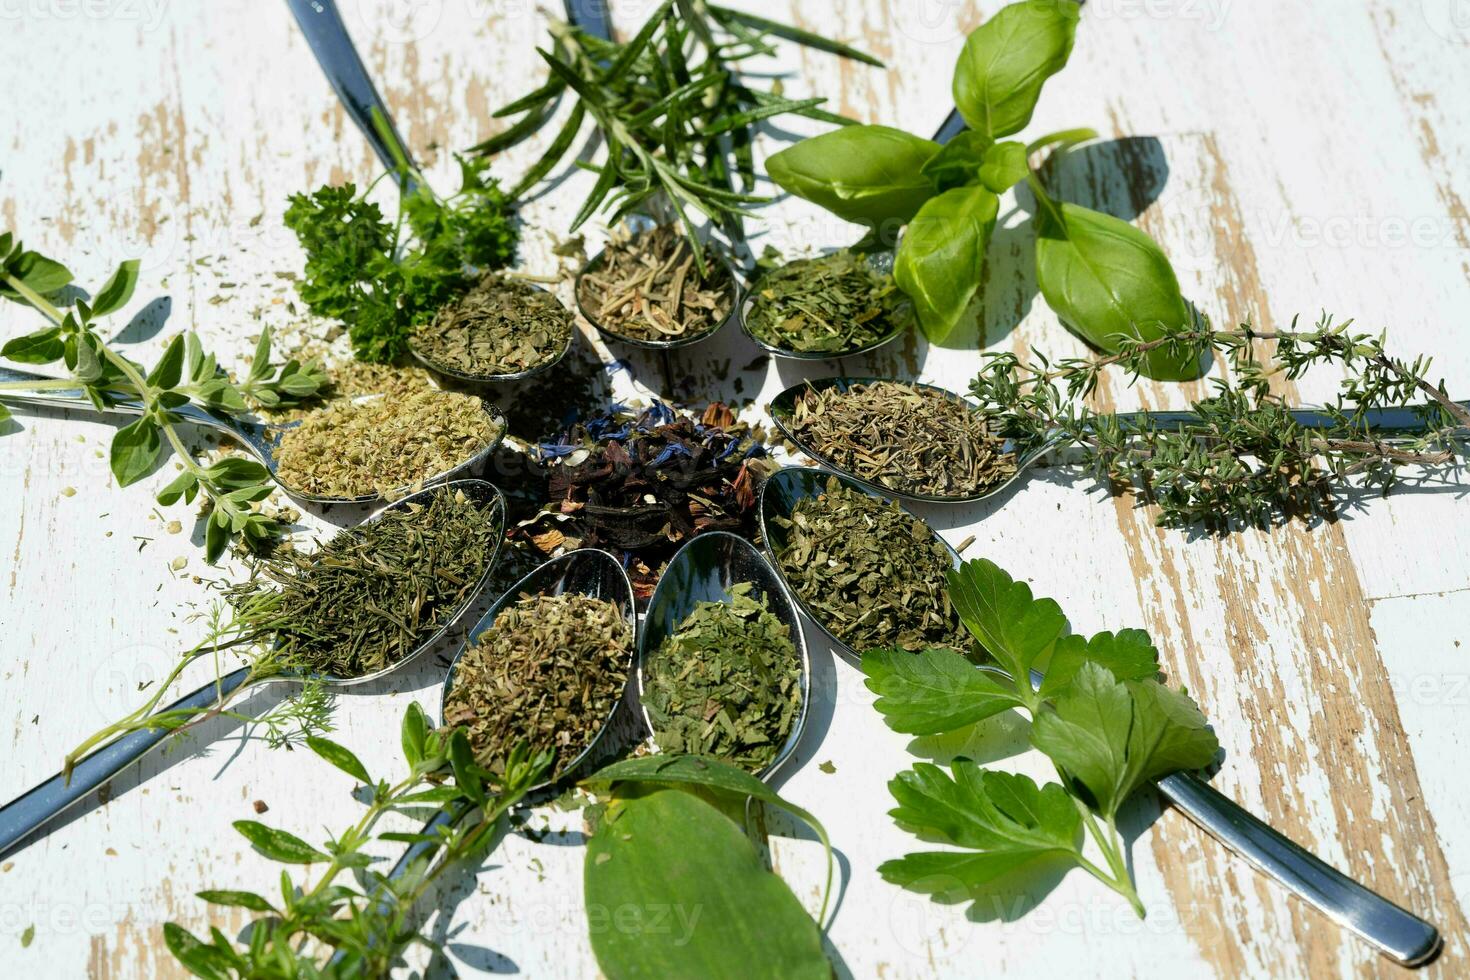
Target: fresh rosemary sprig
677,117
1246,460
184,374
351,920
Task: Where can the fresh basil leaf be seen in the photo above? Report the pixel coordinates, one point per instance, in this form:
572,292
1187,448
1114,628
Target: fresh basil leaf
279,845
1113,736
116,292
674,888
958,162
1007,59
1129,655
1106,279
41,347
1005,166
170,367
941,257
934,691
339,756
135,448
859,173
1013,627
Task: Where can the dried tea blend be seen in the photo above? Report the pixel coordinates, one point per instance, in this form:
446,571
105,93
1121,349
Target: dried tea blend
548,672
374,593
726,683
906,437
501,326
383,444
649,286
641,484
870,572
831,304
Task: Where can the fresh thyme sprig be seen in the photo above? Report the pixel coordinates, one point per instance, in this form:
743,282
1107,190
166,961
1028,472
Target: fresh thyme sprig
351,920
675,114
184,375
1245,459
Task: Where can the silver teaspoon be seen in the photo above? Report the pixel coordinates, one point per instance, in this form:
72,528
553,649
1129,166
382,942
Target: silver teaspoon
1394,931
259,439
38,806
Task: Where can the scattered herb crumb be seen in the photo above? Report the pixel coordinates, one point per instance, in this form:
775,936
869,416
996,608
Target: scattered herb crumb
27,936
827,767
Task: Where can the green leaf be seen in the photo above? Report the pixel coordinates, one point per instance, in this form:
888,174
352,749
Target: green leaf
41,347
339,756
40,274
942,256
1106,279
787,32
198,958
116,292
1014,628
279,845
135,449
216,537
87,364
1007,59
170,367
1005,166
859,173
414,730
462,759
183,485
5,415
934,691
958,162
1129,655
1113,736
244,900
674,888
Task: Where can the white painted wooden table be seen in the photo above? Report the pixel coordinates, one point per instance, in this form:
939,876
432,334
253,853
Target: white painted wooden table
1314,155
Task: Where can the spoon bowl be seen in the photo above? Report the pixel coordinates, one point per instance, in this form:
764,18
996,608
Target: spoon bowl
29,812
706,569
881,262
782,410
780,494
474,378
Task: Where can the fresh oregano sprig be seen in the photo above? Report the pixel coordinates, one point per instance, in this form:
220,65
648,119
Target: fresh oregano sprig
1100,714
1245,459
350,919
184,375
675,114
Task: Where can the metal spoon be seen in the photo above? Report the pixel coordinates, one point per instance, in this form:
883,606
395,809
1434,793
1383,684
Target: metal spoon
33,809
321,24
1395,932
1395,422
879,261
258,439
705,570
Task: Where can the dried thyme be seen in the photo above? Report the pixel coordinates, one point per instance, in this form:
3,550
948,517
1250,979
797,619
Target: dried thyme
726,683
548,673
501,326
648,286
909,438
383,445
831,304
872,574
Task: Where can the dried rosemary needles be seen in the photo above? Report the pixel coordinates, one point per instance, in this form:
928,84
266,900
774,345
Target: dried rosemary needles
909,438
648,286
726,683
834,304
374,593
381,445
501,326
871,574
548,672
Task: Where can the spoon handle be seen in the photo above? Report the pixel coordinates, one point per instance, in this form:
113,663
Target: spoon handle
35,808
1398,934
48,397
1396,419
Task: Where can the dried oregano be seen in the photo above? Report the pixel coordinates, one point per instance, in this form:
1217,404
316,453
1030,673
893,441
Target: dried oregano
501,326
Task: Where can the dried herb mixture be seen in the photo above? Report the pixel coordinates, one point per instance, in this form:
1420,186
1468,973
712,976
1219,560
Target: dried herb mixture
830,304
501,326
649,286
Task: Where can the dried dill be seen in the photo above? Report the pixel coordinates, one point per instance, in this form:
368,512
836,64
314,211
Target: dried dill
831,305
909,438
501,326
548,673
383,445
726,683
871,573
374,593
649,286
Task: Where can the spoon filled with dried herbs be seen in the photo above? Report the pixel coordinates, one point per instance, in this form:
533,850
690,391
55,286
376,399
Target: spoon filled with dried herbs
503,329
649,289
370,600
835,305
723,669
909,440
865,570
